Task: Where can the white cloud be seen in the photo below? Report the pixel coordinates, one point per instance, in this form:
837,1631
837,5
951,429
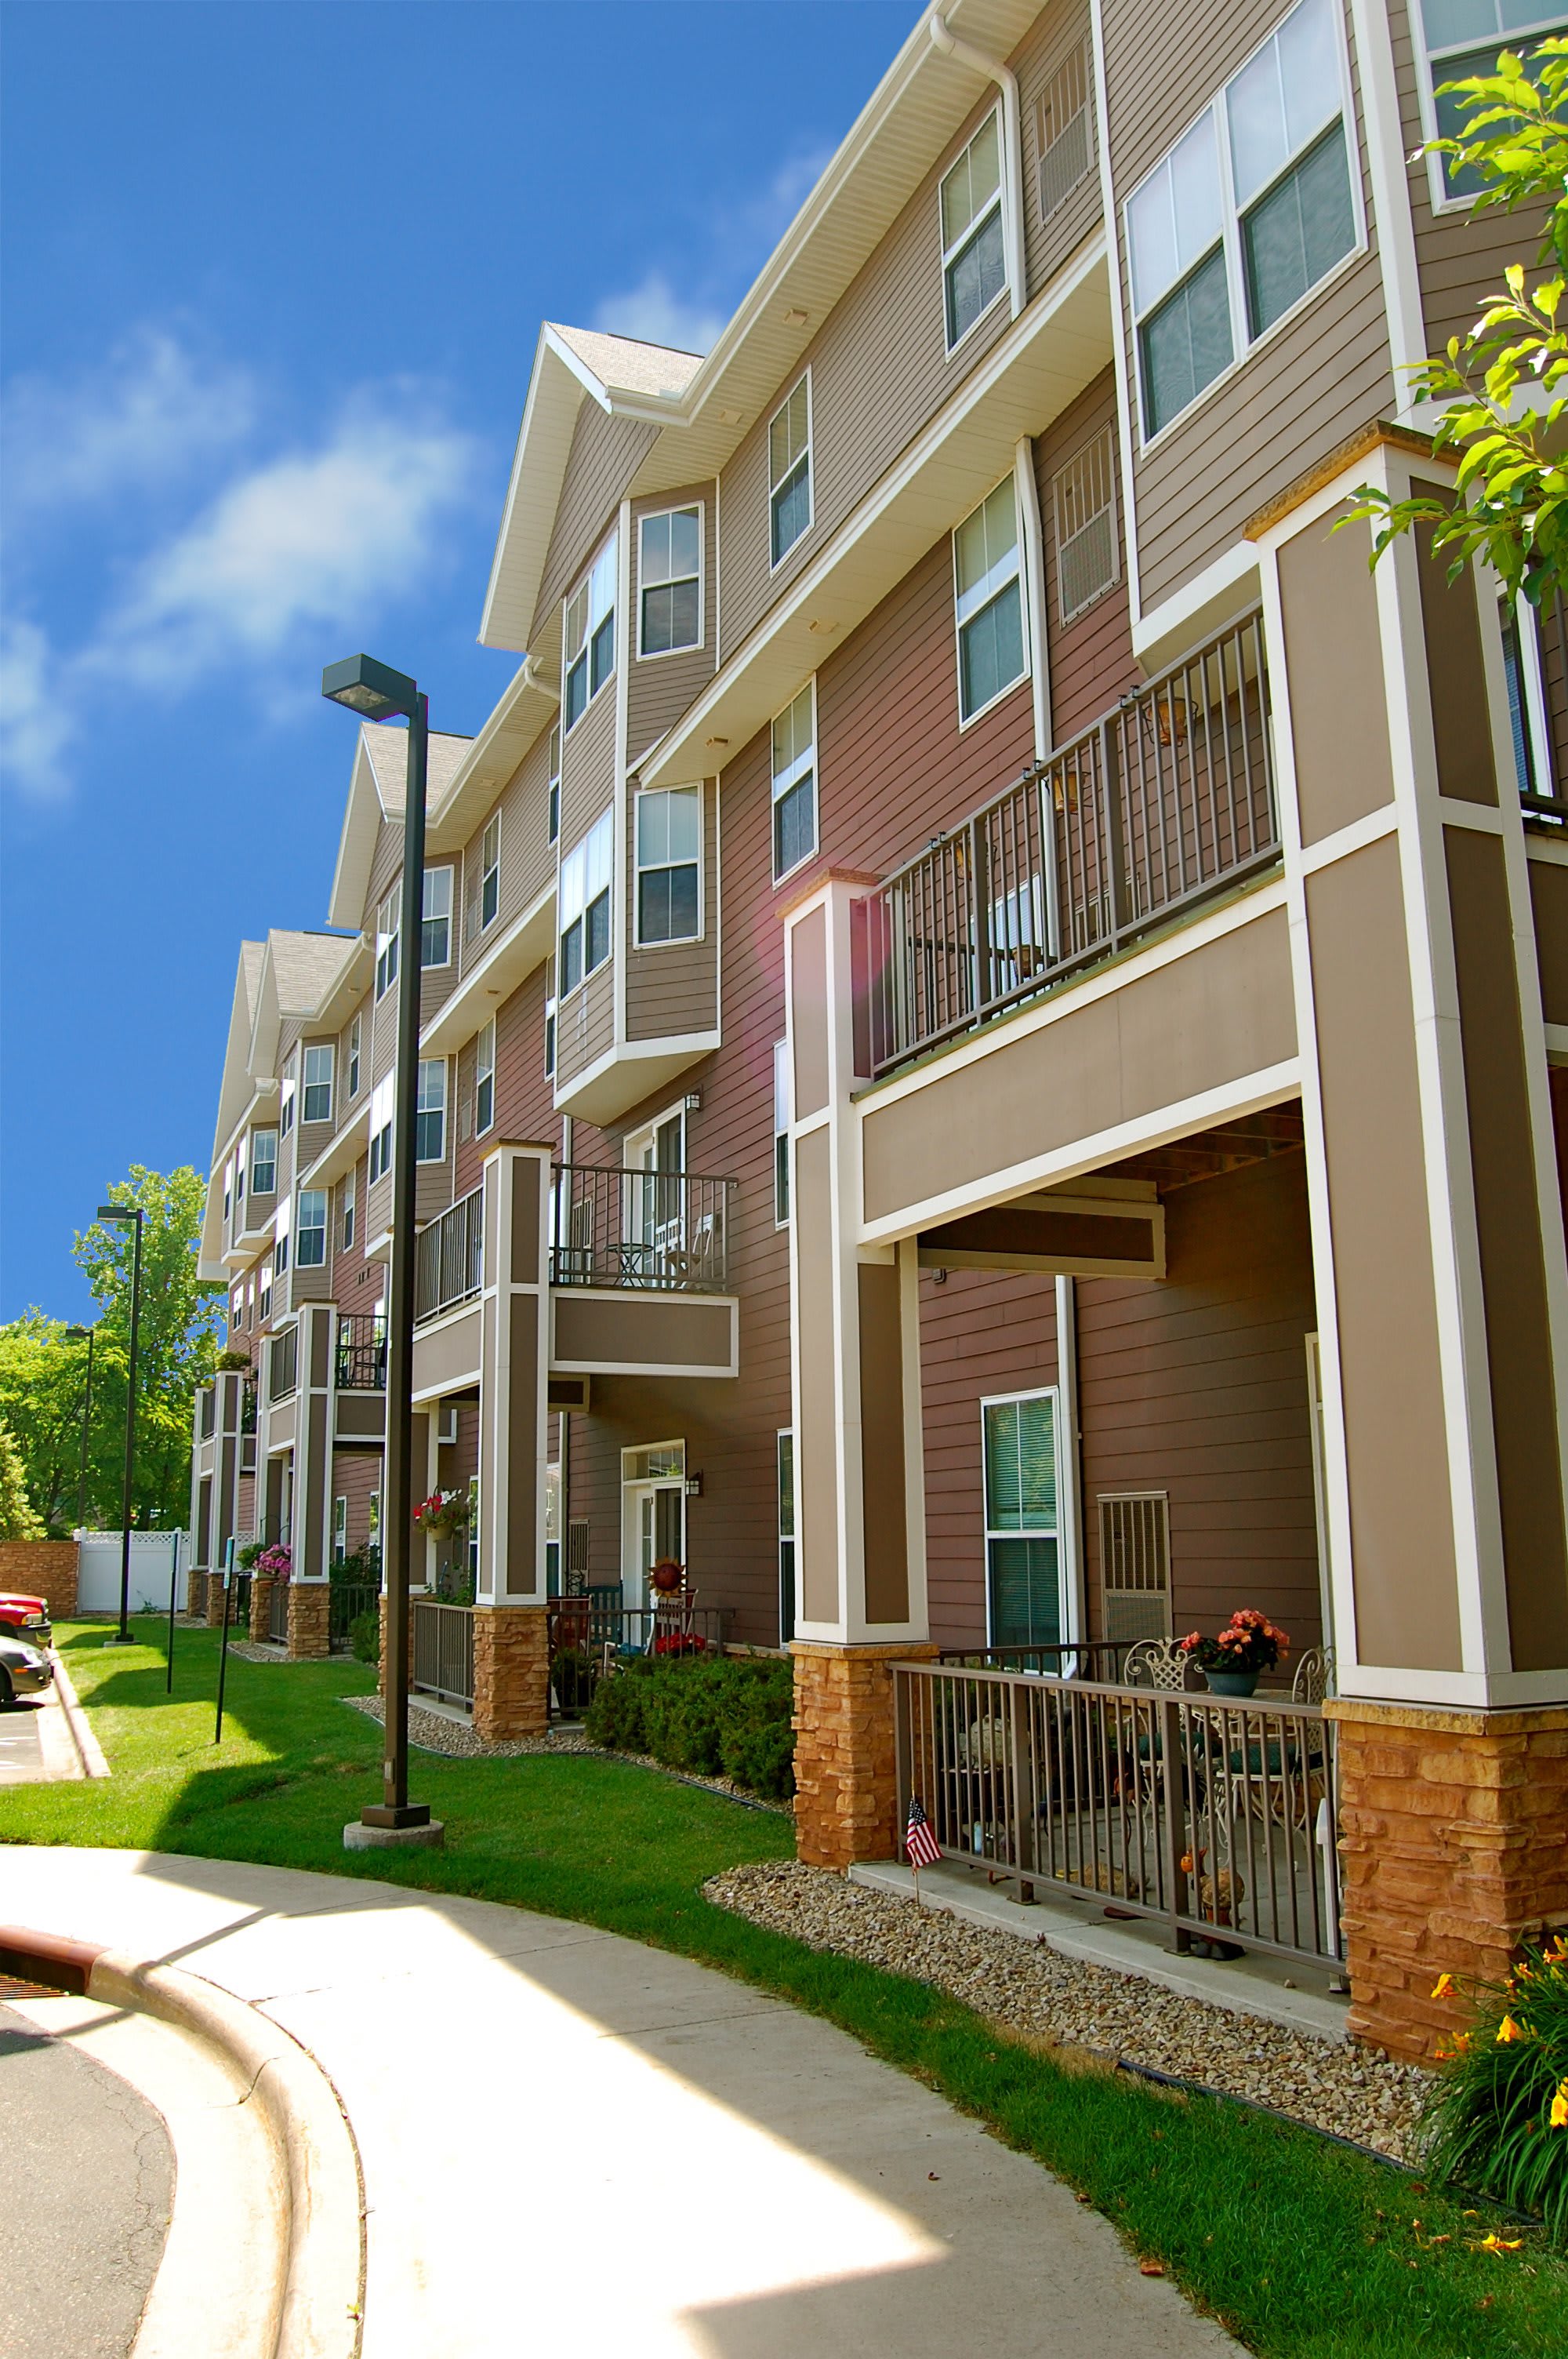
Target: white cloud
148,414
35,727
655,314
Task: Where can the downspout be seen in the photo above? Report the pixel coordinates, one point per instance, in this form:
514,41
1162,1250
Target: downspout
992,68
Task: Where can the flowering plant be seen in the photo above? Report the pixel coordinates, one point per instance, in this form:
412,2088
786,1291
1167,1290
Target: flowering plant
276,1563
680,1642
443,1511
1498,2116
1249,1642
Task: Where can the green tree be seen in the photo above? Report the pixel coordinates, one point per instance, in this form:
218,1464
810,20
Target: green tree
1504,384
43,1379
17,1521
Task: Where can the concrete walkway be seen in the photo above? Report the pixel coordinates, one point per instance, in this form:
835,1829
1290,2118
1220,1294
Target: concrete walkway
571,2142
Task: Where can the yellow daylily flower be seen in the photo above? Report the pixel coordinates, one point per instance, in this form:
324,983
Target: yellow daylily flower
1509,2029
1495,2244
1559,2114
1442,1987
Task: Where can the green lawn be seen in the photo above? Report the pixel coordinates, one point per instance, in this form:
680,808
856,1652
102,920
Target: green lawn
1304,2249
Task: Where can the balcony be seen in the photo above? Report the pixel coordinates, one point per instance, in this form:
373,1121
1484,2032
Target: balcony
448,1258
283,1365
664,1231
1167,801
361,1354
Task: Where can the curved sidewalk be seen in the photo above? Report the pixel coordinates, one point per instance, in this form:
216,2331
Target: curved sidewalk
570,2141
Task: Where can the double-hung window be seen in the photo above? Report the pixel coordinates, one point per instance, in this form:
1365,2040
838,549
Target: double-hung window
430,1112
1022,1572
781,1133
1463,39
354,1058
669,581
974,246
263,1293
588,653
789,470
489,872
669,864
484,1080
340,1530
586,873
550,1021
263,1162
381,1102
989,591
286,1105
1251,209
283,1228
240,1184
311,1236
436,930
386,929
348,1205
228,1187
318,1096
553,814
795,782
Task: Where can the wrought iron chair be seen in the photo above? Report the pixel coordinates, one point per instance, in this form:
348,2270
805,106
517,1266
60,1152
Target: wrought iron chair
1155,1663
1315,1675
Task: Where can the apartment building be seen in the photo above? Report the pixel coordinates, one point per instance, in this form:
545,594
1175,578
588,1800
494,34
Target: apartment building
995,1003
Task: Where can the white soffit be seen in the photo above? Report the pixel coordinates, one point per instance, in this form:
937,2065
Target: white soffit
490,759
378,787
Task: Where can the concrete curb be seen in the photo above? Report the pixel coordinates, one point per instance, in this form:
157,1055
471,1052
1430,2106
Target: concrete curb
89,1752
317,2313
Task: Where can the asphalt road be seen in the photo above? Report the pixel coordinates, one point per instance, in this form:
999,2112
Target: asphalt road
21,1757
86,2179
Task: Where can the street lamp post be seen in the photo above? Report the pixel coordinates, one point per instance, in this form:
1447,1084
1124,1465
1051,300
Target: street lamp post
378,693
122,1214
83,1336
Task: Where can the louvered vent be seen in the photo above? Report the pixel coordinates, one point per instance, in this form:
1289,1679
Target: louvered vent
1135,1563
1062,130
1083,503
576,1558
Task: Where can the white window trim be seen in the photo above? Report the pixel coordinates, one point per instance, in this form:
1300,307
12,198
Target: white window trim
1002,200
353,1072
792,1538
480,1129
1027,674
1052,1393
682,508
349,1212
442,868
324,1231
553,785
317,1048
385,935
340,1528
255,1189
784,1099
581,917
671,942
487,869
429,1162
776,564
1433,67
551,1042
783,875
1241,352
637,1143
382,1108
589,627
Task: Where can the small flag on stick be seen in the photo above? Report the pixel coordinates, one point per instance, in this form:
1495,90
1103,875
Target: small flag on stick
921,1846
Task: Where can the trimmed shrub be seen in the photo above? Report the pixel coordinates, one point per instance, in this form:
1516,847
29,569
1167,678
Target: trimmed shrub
364,1637
1499,2116
704,1713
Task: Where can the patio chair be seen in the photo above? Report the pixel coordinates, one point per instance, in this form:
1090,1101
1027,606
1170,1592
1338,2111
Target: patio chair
1315,1675
1155,1663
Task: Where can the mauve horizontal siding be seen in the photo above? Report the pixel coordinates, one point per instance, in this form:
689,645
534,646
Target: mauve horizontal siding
525,1106
1049,42
527,857
673,988
585,1027
355,1474
604,456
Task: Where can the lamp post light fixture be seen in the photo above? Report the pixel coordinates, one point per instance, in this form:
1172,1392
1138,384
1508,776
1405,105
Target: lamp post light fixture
83,1336
122,1214
378,693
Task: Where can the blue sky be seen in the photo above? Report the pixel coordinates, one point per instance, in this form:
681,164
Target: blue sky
273,276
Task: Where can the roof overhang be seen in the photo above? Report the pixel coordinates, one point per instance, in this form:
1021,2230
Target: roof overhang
341,1154
363,816
525,945
528,706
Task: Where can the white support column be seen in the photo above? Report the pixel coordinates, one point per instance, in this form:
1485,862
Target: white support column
510,1654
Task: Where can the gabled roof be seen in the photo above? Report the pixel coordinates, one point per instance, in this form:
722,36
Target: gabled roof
298,972
706,407
378,788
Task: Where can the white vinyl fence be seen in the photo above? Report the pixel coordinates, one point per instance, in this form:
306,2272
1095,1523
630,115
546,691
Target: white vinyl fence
157,1558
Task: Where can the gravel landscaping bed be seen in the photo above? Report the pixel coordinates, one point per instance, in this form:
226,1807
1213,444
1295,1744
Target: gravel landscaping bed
1037,1994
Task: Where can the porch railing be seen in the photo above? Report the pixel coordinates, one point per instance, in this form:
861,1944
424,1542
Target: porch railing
277,1614
1217,1818
449,1257
283,1365
361,1353
590,1623
346,1601
443,1650
663,1230
1167,800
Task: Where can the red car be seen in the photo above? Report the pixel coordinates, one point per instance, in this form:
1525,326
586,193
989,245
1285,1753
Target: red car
25,1617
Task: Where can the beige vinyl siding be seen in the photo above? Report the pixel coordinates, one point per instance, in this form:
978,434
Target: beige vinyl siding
527,856
673,987
661,687
347,1105
585,1024
1307,385
588,760
604,456
1092,662
880,369
524,1101
287,1147
1050,42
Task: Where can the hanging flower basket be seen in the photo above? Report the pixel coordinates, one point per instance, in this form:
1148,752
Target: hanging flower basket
443,1511
276,1563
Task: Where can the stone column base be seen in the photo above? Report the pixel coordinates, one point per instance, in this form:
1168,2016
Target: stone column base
215,1600
260,1608
845,1770
196,1596
309,1634
1454,1840
510,1671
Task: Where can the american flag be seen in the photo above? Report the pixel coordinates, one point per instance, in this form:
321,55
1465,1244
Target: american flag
921,1846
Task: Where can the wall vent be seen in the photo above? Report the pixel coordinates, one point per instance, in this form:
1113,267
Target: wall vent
1062,130
1083,503
1135,1563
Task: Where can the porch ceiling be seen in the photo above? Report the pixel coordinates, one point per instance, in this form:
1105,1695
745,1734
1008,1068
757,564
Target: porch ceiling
1228,1146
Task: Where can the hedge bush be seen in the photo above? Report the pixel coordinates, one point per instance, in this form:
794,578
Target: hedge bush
364,1637
705,1713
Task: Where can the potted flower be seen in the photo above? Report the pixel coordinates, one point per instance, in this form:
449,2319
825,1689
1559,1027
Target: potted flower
1248,1644
276,1563
443,1511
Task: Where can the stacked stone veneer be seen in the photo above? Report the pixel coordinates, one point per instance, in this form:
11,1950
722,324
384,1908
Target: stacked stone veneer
310,1627
45,1569
1454,1848
510,1671
196,1596
215,1601
260,1608
846,1768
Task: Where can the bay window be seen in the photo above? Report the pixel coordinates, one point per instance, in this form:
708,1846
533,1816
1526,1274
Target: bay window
669,864
586,877
263,1162
435,928
381,1129
988,594
1463,39
430,1112
588,652
795,782
489,872
310,1235
317,1104
484,1080
669,581
386,931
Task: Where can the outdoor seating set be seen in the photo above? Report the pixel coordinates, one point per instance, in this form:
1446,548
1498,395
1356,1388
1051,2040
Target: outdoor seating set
592,1633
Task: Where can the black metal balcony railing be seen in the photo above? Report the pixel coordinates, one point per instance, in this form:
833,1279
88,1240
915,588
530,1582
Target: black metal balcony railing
1168,799
208,1399
361,1353
449,1257
665,1230
283,1365
248,1409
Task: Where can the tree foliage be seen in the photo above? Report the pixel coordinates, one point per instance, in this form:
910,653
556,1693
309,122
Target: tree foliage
17,1521
1503,386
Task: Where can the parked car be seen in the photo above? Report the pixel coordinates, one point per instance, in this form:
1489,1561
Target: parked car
23,1617
24,1670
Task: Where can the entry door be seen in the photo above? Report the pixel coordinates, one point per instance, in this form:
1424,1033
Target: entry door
661,1191
653,1525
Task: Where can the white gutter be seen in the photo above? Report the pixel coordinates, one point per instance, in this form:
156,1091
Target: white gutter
963,53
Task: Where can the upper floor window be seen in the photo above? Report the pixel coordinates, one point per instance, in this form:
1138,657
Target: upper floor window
669,864
989,595
387,923
239,1180
354,1058
286,1105
347,1201
430,1112
281,1229
484,1080
263,1162
789,470
795,782
381,1100
1251,209
588,652
228,1186
974,248
1063,147
669,577
781,1132
317,1105
264,1296
550,1020
1083,511
435,928
586,874
311,1236
489,872
1463,39
553,817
